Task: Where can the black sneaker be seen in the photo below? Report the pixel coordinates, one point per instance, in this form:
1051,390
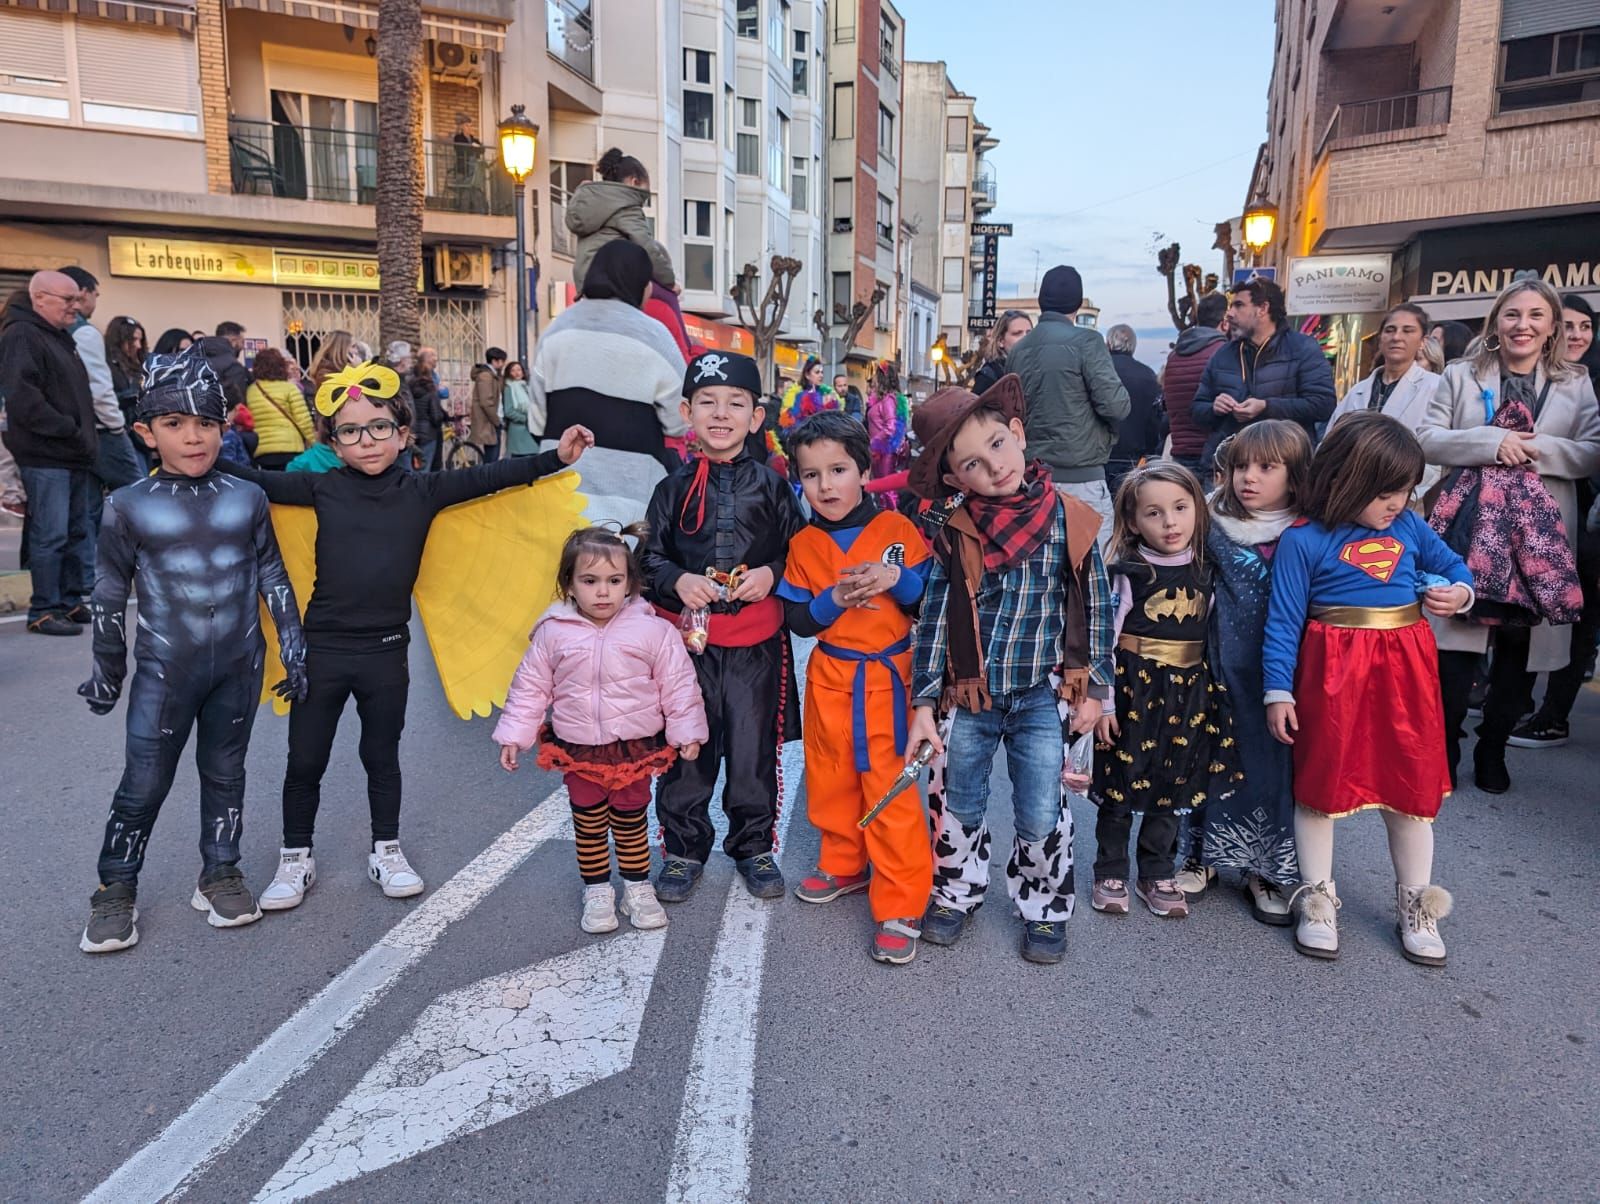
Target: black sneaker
53,624
80,614
943,925
1539,732
761,875
677,879
1489,772
225,899
112,920
1044,941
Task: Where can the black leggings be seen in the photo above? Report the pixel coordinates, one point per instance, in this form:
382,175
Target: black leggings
1510,687
379,681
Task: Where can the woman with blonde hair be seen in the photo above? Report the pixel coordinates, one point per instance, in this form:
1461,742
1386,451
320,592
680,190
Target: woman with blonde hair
1523,427
1006,332
333,356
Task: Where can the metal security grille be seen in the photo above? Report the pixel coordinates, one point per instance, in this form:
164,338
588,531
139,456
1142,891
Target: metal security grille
452,328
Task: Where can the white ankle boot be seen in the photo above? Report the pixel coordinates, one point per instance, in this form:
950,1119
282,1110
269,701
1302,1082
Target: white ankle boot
297,871
1420,908
1317,933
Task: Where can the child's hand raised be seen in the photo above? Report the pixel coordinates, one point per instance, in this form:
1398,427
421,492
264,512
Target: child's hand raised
574,441
1281,721
508,757
696,592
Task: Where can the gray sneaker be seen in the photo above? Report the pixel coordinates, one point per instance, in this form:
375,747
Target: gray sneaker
225,899
112,920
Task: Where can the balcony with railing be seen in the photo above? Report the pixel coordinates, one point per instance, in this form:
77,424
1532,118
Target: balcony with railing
983,190
275,158
569,34
1420,114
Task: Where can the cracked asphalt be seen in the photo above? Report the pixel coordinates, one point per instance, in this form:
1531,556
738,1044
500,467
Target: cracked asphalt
1164,1060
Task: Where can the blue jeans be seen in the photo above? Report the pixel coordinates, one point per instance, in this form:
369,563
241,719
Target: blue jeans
1030,726
60,538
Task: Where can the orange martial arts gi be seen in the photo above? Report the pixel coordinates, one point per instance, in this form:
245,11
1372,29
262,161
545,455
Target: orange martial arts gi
856,705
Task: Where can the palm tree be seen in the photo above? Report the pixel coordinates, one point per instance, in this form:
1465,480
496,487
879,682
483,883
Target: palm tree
401,72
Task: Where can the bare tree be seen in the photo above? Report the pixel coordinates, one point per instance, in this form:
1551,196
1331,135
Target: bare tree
401,72
1167,259
765,318
856,316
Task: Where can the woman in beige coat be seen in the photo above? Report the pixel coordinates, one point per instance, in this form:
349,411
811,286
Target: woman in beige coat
1522,356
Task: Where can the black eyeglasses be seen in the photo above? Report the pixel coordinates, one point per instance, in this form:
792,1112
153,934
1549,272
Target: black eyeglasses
349,433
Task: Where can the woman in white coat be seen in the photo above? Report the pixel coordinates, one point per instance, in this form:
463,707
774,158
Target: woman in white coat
1522,357
1400,386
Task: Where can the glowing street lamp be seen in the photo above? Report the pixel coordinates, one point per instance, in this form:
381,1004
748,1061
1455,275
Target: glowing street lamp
1260,223
519,141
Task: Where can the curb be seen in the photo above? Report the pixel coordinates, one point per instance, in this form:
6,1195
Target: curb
15,590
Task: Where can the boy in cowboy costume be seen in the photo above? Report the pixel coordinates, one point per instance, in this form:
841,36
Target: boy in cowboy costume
1015,634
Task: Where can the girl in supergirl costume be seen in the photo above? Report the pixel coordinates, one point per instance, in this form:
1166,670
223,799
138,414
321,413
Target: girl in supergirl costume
1167,743
1352,672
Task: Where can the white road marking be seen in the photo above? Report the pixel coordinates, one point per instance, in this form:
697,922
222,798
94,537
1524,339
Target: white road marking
225,1113
483,1054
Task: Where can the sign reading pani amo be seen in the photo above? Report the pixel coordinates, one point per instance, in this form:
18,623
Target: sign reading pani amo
1339,284
239,263
1563,277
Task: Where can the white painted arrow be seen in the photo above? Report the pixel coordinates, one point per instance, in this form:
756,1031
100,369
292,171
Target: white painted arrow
483,1054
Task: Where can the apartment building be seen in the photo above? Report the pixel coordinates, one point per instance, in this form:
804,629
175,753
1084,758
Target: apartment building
865,52
1447,144
212,160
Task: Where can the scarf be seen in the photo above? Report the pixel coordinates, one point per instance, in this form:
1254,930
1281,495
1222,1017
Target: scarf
1011,528
1263,526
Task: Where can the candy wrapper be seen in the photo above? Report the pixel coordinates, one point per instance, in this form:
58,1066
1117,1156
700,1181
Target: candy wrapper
696,626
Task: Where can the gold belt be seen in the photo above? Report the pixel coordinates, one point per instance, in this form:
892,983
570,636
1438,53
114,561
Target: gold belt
1180,654
1374,618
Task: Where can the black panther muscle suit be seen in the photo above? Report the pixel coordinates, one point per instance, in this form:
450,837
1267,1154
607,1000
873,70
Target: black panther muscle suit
199,550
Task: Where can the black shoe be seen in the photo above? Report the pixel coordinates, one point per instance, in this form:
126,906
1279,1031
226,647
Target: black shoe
1044,941
1539,732
761,875
1489,772
677,879
80,614
53,624
225,899
943,925
112,917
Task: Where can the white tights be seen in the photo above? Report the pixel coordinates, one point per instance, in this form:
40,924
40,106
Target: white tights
1410,846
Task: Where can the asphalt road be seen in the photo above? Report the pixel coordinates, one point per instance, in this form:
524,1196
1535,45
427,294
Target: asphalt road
488,1050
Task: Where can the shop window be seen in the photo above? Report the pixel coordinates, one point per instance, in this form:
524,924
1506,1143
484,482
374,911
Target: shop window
1553,69
455,328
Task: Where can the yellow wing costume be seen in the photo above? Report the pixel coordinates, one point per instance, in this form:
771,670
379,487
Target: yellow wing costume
488,572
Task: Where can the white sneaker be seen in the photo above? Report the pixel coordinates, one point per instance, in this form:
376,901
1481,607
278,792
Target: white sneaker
639,904
388,867
297,870
1269,904
1317,934
599,908
1420,909
1194,878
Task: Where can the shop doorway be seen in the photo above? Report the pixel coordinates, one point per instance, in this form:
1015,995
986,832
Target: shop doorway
454,328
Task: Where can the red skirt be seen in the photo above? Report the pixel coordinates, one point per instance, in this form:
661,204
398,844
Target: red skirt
611,766
1371,722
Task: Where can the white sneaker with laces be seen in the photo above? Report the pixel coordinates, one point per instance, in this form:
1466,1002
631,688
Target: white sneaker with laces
388,867
640,905
1317,934
1420,908
1194,878
297,871
600,908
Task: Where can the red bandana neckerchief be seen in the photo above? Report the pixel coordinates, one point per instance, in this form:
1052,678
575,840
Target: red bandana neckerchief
1011,528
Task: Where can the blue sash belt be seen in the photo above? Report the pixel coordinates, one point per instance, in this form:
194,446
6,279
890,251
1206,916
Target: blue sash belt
858,694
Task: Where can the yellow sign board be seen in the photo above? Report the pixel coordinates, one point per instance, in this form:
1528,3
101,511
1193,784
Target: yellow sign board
240,263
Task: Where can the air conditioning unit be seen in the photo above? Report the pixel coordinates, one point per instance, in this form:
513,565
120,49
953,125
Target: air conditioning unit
460,267
455,62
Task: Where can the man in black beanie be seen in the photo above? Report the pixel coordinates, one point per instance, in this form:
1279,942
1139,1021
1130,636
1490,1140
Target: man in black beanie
1075,400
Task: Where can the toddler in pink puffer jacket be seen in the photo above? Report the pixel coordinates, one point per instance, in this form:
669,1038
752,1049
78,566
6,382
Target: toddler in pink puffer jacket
607,692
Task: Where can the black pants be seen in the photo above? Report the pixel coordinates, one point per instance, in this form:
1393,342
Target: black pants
741,688
161,713
1562,686
1510,685
1158,843
379,681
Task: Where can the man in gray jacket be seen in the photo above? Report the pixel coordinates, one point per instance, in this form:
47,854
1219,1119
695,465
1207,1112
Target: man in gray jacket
1075,398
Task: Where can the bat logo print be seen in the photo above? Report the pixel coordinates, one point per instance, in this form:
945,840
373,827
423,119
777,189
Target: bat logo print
1179,603
711,365
1377,558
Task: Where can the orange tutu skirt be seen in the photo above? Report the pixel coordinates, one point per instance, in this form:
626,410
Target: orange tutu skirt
612,766
1371,721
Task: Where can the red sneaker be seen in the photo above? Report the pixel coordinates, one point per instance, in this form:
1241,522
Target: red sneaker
896,941
818,887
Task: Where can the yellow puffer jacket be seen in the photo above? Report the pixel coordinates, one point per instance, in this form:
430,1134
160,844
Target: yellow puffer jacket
282,418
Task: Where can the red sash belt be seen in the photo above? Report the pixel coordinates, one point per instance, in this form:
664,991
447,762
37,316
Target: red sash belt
755,623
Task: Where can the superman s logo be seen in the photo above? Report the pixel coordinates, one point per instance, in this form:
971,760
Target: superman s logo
1377,558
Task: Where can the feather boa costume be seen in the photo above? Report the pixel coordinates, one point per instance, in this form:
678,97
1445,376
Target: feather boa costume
888,420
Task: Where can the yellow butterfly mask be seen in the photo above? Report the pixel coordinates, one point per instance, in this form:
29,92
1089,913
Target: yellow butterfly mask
363,380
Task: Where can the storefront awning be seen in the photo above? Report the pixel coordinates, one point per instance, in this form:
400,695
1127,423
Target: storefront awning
174,14
457,29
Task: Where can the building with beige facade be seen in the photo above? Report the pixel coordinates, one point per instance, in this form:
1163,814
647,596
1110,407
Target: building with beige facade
1444,144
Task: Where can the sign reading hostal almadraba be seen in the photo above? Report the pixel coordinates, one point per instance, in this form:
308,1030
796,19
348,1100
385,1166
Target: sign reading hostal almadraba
1339,284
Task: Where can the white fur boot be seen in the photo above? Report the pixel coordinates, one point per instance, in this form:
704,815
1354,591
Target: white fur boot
1420,908
1317,933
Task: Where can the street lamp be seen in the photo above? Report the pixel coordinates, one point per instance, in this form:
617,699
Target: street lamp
1260,223
519,139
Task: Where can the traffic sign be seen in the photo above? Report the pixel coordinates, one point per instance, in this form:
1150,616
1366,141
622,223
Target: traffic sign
1246,275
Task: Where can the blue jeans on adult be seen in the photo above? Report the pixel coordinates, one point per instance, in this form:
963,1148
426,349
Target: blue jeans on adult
60,547
1030,726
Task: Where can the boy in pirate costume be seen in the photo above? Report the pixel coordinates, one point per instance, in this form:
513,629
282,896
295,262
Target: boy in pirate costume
719,533
854,576
1015,636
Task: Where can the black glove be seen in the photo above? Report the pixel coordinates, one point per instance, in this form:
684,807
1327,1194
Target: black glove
100,694
294,684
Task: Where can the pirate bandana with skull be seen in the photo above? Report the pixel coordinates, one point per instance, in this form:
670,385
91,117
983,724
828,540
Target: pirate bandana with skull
722,368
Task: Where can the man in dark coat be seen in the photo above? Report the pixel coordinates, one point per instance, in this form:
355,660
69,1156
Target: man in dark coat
1180,380
222,354
50,432
1139,436
1270,372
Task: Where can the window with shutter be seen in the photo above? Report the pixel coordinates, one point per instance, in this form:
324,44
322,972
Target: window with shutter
34,74
139,77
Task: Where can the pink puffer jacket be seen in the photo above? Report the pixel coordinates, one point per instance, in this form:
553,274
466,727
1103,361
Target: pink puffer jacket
627,680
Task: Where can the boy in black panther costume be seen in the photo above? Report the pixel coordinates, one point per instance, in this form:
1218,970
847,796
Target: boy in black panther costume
200,548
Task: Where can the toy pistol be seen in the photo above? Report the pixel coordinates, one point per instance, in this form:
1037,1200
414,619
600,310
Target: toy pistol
908,778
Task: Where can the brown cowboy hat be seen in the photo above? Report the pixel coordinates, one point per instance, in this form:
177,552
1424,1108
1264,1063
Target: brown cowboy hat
937,420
